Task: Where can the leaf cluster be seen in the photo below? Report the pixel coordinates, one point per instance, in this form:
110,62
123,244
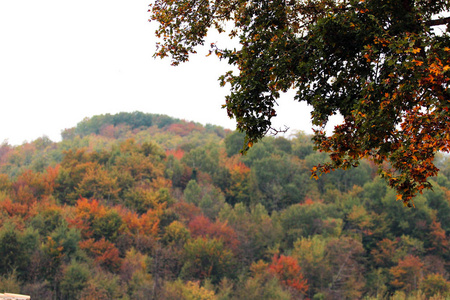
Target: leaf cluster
382,65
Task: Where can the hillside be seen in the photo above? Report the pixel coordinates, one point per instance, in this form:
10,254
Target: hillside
143,206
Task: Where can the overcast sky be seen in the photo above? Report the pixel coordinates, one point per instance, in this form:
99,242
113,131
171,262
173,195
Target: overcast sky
62,61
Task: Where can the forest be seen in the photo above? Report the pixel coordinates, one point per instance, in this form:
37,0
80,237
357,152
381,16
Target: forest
145,206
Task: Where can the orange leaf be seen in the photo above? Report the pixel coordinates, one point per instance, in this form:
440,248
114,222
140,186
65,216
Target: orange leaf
417,62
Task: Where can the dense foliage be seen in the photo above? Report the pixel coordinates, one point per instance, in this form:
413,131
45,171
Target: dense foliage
383,65
141,209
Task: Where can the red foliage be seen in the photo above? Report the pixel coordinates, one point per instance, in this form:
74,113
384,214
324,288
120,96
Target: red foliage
438,238
5,152
240,168
108,131
184,129
30,186
407,273
201,226
288,271
26,187
85,212
15,209
132,221
178,153
308,201
104,253
22,212
383,255
49,178
150,222
186,211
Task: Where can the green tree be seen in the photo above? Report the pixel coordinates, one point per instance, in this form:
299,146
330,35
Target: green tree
193,193
207,259
412,224
74,280
255,230
310,253
280,181
262,287
382,65
15,248
438,200
67,238
107,225
10,283
302,145
307,220
104,285
234,142
175,234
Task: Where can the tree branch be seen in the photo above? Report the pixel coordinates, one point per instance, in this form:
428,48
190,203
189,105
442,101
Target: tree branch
438,22
275,131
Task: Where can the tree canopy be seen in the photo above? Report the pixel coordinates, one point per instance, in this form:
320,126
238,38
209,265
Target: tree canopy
382,64
121,210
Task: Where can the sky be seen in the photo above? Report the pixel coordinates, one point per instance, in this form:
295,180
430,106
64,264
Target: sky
62,61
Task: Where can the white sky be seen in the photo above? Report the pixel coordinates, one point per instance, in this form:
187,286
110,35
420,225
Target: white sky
62,61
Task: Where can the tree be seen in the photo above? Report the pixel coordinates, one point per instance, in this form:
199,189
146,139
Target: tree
307,220
192,193
407,274
12,253
74,280
104,253
434,284
189,290
201,226
262,285
280,181
345,258
255,230
240,187
383,65
287,270
207,259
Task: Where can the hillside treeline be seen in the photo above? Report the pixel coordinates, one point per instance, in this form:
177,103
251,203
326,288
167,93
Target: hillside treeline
142,206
